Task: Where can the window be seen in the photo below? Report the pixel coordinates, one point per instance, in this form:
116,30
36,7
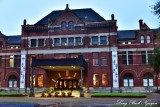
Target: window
40,42
63,25
71,41
95,58
148,39
11,61
16,57
103,40
142,39
40,80
148,79
124,57
128,80
143,54
104,62
96,80
78,41
63,41
70,25
95,40
130,57
12,81
56,42
34,81
33,42
104,80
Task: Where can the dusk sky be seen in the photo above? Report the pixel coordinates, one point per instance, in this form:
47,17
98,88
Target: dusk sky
127,12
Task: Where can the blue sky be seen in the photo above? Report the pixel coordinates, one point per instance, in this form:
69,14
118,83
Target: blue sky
127,12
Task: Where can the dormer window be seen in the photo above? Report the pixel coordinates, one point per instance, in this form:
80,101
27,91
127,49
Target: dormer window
70,25
142,39
148,39
63,25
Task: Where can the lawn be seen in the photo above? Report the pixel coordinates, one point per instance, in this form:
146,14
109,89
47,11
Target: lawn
124,95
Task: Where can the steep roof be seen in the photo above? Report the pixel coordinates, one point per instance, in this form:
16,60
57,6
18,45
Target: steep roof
14,40
89,14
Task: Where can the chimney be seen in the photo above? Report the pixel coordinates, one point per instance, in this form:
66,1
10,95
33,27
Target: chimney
24,22
112,17
140,23
67,6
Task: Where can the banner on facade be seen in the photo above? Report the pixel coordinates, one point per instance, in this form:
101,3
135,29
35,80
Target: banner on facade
23,71
115,69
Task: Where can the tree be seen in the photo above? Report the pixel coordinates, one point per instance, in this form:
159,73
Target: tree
156,9
154,62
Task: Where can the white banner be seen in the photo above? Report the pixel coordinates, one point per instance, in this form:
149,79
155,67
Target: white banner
115,69
23,71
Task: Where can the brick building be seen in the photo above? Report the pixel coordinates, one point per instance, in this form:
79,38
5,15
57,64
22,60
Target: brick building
73,48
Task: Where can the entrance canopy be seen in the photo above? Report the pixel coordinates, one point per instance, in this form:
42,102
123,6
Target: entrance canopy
60,64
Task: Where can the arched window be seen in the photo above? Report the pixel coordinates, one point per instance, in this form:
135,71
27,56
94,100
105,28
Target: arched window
148,39
63,25
70,25
128,80
148,79
142,39
12,81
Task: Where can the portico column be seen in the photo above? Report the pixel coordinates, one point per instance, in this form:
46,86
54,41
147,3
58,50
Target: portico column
81,88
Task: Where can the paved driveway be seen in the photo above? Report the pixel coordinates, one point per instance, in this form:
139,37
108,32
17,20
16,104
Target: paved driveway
153,99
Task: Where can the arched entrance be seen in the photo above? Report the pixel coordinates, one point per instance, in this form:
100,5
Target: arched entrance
67,83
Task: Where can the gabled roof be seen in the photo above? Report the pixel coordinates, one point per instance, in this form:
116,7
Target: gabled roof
88,14
14,40
126,35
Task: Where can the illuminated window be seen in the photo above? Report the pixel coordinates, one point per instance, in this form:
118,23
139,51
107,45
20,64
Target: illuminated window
40,80
128,80
34,81
129,42
104,80
123,43
12,81
96,80
11,61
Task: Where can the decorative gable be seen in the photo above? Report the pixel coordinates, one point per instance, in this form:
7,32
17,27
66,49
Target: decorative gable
66,16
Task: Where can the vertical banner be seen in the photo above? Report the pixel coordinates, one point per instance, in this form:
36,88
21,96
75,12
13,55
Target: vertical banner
23,71
115,69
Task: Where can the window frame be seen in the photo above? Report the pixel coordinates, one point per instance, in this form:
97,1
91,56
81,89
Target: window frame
142,39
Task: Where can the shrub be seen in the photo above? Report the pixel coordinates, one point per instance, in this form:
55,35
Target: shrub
11,94
63,94
69,94
126,95
56,94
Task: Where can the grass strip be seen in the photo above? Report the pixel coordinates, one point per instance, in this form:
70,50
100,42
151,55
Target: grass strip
12,94
124,95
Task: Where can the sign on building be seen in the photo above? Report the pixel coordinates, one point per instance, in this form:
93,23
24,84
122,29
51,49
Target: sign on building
115,69
23,71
